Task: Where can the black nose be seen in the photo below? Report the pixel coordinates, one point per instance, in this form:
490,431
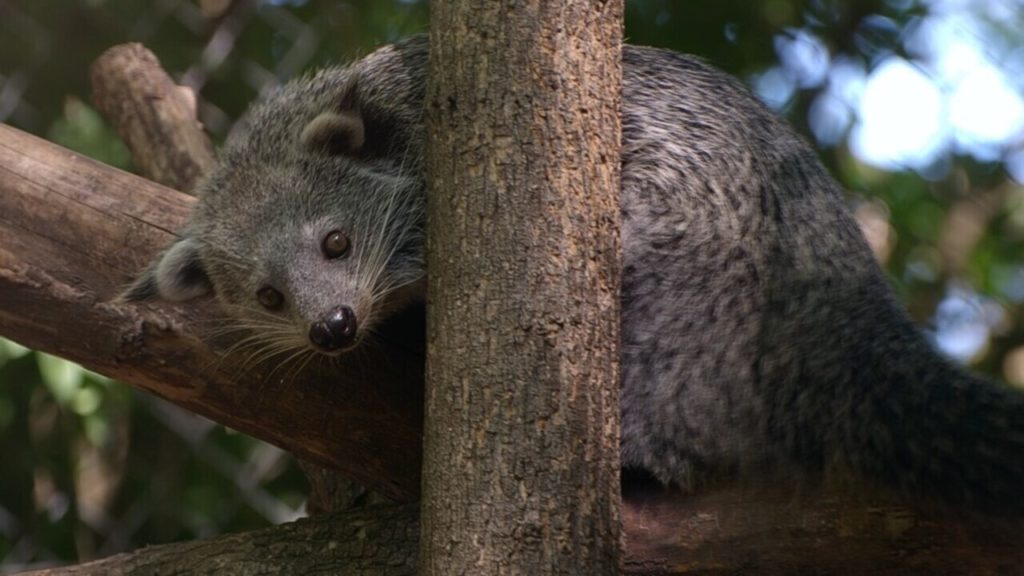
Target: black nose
335,331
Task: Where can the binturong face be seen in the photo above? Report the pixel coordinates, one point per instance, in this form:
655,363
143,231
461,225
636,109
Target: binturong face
307,241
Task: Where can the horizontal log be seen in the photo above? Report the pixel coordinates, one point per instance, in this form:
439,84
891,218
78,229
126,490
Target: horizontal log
378,541
729,531
779,529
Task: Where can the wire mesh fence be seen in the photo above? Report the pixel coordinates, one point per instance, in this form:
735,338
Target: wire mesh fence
228,52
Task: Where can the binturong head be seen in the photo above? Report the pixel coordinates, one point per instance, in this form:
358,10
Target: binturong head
309,231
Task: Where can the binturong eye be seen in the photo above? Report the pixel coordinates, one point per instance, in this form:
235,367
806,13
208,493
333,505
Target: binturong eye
335,245
269,298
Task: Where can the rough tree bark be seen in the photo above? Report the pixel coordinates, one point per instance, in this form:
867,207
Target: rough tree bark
154,117
375,541
521,436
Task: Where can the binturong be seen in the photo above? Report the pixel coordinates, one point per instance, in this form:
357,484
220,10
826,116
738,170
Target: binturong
759,336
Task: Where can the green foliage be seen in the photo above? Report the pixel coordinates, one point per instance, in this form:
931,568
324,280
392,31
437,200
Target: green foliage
92,467
82,129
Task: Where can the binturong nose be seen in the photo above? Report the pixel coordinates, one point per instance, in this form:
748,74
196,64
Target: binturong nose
335,331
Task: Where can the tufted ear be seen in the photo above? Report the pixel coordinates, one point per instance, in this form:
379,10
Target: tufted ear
340,132
177,275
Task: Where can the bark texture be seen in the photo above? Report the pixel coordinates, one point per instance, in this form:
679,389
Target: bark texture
782,530
521,438
73,232
372,542
155,117
727,532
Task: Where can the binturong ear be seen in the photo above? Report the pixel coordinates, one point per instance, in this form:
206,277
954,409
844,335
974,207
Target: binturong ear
335,133
177,275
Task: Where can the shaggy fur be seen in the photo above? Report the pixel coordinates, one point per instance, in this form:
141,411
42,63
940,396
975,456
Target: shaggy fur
758,333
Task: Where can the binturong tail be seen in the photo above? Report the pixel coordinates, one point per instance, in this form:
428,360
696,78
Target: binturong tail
872,395
933,430
916,422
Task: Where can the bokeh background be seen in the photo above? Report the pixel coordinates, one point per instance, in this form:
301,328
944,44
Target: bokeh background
917,107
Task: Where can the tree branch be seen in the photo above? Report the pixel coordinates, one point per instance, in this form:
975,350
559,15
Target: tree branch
777,529
157,121
725,532
380,541
152,114
73,232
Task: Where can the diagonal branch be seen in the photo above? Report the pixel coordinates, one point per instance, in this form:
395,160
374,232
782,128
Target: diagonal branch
155,118
73,232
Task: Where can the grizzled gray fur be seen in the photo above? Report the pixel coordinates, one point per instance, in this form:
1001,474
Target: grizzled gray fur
758,334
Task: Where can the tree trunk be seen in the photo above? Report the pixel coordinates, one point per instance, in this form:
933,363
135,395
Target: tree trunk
521,437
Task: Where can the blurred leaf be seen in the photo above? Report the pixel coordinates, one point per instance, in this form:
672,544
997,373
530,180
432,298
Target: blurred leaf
10,350
83,129
61,377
